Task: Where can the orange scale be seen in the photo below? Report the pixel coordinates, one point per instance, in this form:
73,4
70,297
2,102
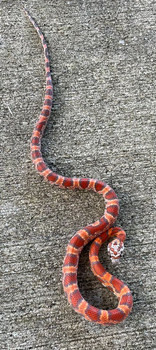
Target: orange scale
94,258
71,250
59,181
35,148
105,190
84,234
82,306
36,161
104,316
124,290
47,107
69,269
46,172
107,277
36,133
124,308
96,223
70,289
76,182
91,184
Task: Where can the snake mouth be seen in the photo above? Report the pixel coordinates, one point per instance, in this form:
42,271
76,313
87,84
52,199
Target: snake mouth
115,260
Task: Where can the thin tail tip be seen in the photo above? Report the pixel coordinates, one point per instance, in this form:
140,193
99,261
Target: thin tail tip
26,11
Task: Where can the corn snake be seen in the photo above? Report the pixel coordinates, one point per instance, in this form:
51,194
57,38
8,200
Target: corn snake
99,232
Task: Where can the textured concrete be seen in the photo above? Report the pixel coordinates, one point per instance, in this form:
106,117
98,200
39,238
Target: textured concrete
102,126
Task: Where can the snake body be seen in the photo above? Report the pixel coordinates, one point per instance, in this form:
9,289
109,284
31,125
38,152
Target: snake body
98,232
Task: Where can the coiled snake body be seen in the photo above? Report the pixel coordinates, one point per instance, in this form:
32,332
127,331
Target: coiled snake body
99,232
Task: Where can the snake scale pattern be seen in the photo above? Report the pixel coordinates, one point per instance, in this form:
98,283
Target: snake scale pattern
98,232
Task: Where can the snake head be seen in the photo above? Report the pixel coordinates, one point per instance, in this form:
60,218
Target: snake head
115,249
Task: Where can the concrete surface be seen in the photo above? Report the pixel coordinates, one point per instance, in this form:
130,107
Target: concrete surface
102,126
